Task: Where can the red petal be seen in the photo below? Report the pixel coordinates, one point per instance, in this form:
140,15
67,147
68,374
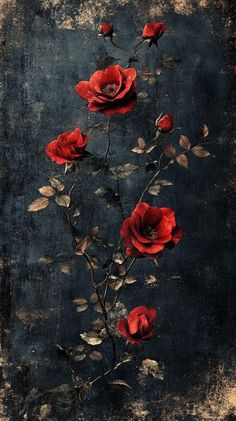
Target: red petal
83,88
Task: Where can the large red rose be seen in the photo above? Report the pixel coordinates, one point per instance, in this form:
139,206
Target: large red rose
165,123
149,231
138,325
154,30
110,91
67,147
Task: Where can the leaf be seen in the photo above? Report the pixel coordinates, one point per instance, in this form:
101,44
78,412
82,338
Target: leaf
122,171
63,200
182,160
120,382
94,263
76,213
101,191
38,204
152,80
47,191
129,280
150,148
46,260
164,183
93,299
200,152
80,301
151,279
94,232
153,368
158,71
95,356
138,150
184,142
169,150
90,338
144,97
116,283
154,189
84,307
56,184
204,131
65,267
118,258
80,357
82,246
141,142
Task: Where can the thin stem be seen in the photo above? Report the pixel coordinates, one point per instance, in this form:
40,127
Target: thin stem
109,140
123,283
119,197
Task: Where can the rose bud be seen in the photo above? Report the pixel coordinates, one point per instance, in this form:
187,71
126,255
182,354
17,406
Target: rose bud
67,147
149,231
165,123
110,91
154,30
106,29
138,326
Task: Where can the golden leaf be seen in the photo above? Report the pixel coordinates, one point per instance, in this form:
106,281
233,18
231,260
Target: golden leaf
118,258
65,267
95,356
184,142
130,280
90,338
38,204
158,71
63,200
46,260
76,213
204,131
81,308
169,150
56,184
138,150
182,160
80,301
150,148
151,279
200,152
119,382
154,189
82,246
47,191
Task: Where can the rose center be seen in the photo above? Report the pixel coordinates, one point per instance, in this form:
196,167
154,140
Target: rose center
110,89
150,232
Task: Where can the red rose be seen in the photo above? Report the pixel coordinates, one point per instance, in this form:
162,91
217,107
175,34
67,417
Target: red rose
138,325
165,123
154,30
110,91
106,29
67,147
149,231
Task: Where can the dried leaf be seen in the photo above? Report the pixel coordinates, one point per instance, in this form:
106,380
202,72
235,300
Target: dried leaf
84,307
116,284
204,131
200,152
164,183
47,191
90,338
151,279
65,267
93,299
158,71
82,246
118,258
56,184
182,160
46,260
152,80
101,191
137,150
80,301
38,204
76,213
129,280
95,356
154,189
120,382
169,150
80,357
150,148
144,97
122,171
184,142
141,142
63,200
98,324
94,263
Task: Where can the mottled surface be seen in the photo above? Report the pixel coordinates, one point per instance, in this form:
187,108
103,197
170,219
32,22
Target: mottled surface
47,47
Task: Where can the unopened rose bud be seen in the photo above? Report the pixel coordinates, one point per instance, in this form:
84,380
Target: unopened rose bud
106,29
165,123
152,31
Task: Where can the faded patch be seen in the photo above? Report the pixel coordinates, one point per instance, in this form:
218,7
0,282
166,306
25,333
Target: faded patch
29,318
5,389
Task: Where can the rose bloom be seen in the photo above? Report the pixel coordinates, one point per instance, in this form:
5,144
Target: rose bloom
139,325
154,30
106,29
149,231
165,123
67,147
110,91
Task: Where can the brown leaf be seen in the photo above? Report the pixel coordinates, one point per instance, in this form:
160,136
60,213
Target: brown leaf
46,260
95,356
115,284
80,301
93,299
158,71
150,148
200,152
118,258
164,183
122,171
169,150
47,191
94,263
151,279
76,213
130,280
138,150
81,308
82,246
65,267
91,338
182,160
98,324
184,142
63,200
38,204
152,80
154,189
56,184
80,357
204,131
120,382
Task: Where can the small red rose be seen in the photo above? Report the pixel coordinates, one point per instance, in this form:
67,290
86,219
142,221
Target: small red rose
149,231
139,325
165,123
67,147
106,29
154,30
110,91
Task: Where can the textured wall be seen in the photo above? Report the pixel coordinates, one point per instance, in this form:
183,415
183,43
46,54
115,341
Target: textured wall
47,47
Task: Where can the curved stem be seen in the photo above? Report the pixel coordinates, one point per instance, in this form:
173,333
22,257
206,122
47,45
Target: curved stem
109,140
119,197
123,283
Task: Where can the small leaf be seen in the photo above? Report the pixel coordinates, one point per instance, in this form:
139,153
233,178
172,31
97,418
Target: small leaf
76,213
151,279
63,200
204,131
120,382
141,142
101,191
94,263
122,171
98,324
80,357
90,338
158,71
82,246
129,280
93,299
65,267
184,142
38,204
80,301
182,160
84,307
47,191
152,80
153,368
200,152
118,258
150,148
138,150
95,356
164,183
46,260
56,184
154,189
115,284
169,150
